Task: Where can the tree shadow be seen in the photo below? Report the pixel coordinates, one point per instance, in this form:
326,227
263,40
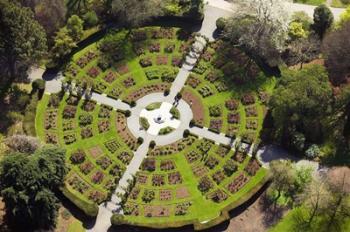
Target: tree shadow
88,222
272,213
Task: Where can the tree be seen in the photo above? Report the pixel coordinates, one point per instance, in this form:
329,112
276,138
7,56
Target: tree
77,5
22,143
335,46
75,27
344,17
27,185
63,45
323,20
302,50
303,18
51,14
314,197
283,176
22,40
338,207
260,27
300,104
296,31
133,13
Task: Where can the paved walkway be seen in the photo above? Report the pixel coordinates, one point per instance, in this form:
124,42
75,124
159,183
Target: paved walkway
103,99
291,7
214,10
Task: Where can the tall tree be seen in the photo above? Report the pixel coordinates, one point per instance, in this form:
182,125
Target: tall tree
261,27
27,185
22,40
75,27
51,14
300,104
335,47
323,20
283,177
133,13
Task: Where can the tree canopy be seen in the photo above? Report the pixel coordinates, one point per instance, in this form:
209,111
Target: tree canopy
300,103
27,185
22,39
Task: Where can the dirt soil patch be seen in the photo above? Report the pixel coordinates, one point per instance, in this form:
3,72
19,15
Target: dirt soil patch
262,214
96,151
182,193
196,106
157,211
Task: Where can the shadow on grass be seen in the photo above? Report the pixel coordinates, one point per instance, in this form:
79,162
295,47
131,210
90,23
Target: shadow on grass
88,222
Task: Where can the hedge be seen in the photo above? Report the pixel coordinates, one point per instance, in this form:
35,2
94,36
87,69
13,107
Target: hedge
90,209
118,220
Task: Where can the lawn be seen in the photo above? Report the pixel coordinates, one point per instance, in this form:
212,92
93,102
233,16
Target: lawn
176,180
287,224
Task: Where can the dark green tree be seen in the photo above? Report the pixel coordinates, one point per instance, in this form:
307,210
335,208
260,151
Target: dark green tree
323,20
27,186
300,105
22,40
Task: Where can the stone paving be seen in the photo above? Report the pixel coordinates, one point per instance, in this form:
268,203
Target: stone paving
213,10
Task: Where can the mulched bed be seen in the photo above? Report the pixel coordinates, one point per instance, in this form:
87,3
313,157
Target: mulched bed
237,183
196,106
96,151
182,193
141,178
192,156
123,69
174,178
252,167
156,211
199,170
218,196
124,133
145,90
162,60
165,195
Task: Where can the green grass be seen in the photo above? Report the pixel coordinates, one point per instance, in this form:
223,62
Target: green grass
311,2
76,226
288,224
153,106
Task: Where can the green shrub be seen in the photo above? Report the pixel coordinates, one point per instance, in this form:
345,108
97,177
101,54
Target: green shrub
29,116
90,209
166,130
186,133
153,106
117,219
221,23
90,19
38,84
175,112
127,113
144,123
152,144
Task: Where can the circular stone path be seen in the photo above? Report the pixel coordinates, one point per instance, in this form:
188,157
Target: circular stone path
160,118
164,111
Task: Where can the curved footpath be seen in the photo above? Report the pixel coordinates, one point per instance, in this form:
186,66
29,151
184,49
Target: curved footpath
213,10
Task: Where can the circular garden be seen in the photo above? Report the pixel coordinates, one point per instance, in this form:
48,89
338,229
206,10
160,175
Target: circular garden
226,92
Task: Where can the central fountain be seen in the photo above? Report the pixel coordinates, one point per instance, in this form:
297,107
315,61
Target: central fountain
159,119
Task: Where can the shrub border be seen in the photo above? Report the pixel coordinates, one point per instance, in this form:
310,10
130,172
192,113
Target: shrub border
197,225
90,209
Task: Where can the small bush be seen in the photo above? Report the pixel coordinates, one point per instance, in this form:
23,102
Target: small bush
221,23
186,133
90,19
127,113
152,144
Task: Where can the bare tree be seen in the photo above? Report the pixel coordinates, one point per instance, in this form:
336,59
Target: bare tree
135,12
283,177
338,208
261,27
314,197
22,143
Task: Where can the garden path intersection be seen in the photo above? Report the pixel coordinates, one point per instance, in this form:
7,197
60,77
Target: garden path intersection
160,118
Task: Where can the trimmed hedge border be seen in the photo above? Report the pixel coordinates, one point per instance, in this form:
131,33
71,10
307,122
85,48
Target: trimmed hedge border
90,209
225,214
